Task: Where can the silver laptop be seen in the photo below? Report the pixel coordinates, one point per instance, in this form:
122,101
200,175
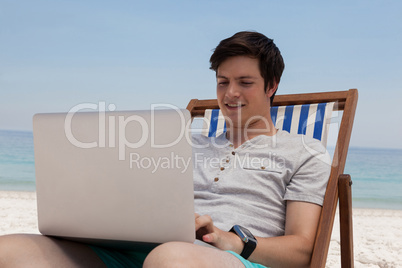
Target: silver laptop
115,178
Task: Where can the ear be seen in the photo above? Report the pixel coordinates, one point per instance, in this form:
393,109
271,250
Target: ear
271,89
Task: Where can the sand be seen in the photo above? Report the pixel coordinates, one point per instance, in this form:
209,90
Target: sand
377,233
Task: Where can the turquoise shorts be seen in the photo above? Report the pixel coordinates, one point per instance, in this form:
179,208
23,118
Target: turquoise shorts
247,264
120,258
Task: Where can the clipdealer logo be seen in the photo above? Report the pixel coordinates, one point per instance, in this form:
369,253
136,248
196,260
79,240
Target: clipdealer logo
163,162
120,123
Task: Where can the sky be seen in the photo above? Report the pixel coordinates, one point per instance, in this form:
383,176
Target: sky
56,54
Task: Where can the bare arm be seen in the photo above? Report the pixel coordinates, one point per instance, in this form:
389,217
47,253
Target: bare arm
295,247
291,250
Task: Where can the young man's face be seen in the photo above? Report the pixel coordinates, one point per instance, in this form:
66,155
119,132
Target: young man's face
240,93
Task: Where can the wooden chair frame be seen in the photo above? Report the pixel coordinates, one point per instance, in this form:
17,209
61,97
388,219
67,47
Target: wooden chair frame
339,184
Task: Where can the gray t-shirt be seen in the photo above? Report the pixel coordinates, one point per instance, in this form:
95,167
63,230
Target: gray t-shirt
249,185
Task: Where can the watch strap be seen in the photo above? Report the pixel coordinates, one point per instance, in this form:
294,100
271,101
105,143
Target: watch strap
248,249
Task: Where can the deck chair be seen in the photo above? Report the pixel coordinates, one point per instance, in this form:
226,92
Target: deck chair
320,105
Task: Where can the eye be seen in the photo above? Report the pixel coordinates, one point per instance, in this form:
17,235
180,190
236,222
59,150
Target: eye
246,83
222,83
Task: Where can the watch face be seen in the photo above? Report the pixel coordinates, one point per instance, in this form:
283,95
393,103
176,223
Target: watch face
244,233
247,232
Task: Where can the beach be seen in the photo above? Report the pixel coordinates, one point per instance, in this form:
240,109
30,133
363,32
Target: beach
377,233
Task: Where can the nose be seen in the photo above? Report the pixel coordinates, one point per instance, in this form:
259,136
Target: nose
232,91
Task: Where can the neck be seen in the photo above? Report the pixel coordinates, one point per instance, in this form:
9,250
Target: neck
238,136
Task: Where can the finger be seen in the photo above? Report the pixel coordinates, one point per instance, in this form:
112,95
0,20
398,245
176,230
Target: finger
204,221
211,238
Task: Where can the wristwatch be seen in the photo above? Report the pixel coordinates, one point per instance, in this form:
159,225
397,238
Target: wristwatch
250,242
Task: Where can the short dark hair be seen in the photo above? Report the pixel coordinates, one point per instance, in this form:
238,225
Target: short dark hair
255,45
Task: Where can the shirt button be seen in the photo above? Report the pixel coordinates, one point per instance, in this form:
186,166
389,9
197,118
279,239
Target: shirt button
233,153
262,167
222,168
227,160
216,179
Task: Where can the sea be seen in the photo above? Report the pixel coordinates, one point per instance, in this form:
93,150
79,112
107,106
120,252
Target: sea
376,173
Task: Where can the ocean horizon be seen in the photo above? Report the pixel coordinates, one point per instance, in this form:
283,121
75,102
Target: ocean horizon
376,172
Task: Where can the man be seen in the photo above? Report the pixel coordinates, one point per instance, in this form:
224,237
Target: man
278,199
265,183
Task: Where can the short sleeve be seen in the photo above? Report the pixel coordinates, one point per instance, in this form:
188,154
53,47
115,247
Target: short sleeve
309,182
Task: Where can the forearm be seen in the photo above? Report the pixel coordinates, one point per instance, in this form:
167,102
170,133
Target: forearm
282,251
291,250
294,249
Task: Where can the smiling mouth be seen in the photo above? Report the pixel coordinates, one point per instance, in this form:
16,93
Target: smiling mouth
234,105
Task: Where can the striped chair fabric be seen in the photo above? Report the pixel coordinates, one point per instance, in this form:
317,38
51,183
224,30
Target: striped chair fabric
312,120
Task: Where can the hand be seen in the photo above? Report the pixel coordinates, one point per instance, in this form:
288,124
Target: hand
207,232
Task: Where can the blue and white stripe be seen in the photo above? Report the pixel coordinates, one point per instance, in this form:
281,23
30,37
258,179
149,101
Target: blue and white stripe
312,120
